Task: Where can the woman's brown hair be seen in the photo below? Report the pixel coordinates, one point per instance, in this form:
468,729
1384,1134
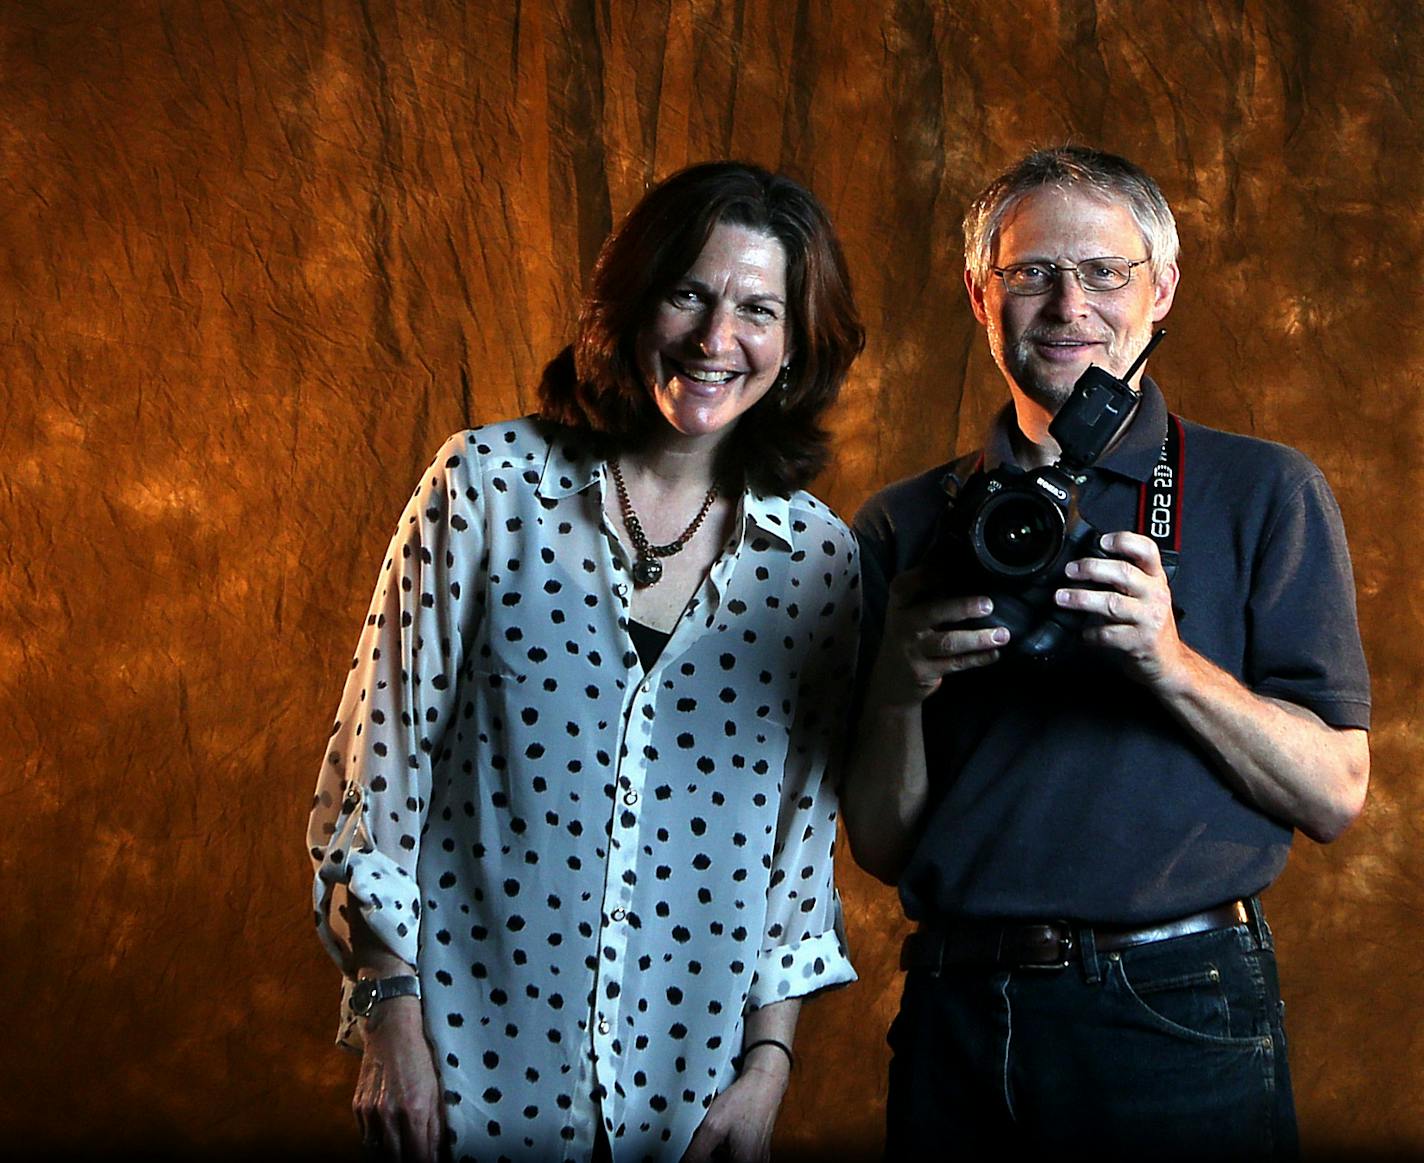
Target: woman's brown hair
594,386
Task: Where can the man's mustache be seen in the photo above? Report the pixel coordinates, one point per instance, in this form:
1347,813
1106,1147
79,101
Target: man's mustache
1048,336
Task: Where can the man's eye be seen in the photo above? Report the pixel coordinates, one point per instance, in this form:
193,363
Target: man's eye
1031,273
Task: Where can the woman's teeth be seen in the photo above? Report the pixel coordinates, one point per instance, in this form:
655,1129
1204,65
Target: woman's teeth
707,377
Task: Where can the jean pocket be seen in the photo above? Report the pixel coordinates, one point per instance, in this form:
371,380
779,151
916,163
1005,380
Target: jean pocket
1208,1002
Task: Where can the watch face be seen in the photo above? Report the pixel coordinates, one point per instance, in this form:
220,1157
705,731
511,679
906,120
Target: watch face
363,997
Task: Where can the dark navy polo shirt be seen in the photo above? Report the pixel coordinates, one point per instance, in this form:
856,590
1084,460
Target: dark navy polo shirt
1062,789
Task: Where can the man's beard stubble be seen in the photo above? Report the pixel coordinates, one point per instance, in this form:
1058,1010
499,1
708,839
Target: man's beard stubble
1052,394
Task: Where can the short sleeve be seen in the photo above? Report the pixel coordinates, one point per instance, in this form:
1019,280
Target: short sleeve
1304,633
372,794
804,948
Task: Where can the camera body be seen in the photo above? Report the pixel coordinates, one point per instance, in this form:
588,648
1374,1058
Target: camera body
1010,533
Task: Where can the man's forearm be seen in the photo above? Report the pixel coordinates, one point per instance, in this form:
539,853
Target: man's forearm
887,785
886,789
1280,757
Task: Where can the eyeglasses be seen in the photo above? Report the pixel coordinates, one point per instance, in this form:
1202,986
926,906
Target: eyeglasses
1093,274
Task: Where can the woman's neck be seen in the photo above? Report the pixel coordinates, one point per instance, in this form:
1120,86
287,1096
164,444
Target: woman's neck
672,466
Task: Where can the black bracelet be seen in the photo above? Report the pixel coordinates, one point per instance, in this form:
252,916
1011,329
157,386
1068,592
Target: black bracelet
782,1046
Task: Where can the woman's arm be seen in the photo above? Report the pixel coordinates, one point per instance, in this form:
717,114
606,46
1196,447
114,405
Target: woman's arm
742,1116
374,789
397,1100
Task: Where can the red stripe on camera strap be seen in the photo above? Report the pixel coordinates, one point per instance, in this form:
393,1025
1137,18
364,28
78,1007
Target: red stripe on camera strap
1159,499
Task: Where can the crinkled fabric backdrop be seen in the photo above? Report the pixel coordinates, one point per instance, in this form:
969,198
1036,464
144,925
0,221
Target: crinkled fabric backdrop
260,257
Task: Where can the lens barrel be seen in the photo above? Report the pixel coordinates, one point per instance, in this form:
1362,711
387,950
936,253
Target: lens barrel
1017,533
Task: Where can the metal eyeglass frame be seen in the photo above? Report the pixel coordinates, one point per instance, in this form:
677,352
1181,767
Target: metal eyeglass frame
1076,270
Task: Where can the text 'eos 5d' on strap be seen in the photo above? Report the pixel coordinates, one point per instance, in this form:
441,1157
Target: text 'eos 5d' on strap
1159,500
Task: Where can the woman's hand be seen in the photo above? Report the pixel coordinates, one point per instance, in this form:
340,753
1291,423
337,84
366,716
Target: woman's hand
739,1122
397,1100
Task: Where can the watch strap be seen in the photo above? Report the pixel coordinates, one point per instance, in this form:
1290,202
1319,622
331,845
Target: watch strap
369,992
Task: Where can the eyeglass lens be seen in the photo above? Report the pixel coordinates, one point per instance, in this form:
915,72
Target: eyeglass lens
1095,274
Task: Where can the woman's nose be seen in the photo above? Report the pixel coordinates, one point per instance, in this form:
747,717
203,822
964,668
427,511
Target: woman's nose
718,333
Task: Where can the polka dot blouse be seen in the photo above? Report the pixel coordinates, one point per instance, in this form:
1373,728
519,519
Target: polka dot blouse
595,870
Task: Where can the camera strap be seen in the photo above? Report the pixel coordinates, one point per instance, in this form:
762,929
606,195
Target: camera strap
1159,504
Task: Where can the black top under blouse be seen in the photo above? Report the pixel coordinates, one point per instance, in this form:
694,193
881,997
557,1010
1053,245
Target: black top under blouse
648,642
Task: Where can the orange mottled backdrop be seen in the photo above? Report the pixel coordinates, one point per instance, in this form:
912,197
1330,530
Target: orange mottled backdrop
258,257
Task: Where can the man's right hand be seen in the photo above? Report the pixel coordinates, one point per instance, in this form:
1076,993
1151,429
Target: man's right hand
923,641
397,1102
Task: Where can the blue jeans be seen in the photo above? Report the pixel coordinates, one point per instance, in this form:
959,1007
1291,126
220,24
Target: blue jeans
1173,1049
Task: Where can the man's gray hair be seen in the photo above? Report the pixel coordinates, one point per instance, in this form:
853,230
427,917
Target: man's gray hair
1102,175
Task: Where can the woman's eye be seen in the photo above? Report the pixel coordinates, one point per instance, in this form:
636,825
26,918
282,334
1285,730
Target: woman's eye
683,297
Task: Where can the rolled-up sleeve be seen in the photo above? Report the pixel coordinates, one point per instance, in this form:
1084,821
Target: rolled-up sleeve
804,949
374,788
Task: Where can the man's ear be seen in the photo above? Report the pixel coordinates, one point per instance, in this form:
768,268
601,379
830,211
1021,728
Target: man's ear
1164,290
976,298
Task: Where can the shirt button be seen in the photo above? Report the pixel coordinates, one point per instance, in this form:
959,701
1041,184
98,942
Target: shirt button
603,1026
630,797
619,914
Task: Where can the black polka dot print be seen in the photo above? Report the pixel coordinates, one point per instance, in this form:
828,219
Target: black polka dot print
597,871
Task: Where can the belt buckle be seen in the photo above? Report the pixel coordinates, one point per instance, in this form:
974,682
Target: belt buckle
1057,943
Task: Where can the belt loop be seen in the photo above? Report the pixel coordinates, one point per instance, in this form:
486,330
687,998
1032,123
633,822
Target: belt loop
1259,928
1088,951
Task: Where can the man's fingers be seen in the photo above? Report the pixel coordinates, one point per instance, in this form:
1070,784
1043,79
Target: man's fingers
970,642
1134,547
1108,571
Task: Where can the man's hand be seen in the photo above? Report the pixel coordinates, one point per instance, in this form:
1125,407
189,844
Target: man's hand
923,642
1133,607
397,1102
738,1124
1281,757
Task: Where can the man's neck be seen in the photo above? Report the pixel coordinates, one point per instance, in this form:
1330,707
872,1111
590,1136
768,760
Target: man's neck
1030,439
1032,443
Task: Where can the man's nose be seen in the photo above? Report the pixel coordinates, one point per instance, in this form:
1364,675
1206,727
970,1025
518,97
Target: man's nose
719,331
1067,299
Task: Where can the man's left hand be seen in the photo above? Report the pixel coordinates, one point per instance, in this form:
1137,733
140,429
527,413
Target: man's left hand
1132,607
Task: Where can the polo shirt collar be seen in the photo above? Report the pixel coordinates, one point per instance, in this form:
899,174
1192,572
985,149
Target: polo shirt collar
1133,457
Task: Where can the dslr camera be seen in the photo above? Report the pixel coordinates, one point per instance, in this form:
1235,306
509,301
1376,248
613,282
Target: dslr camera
1009,533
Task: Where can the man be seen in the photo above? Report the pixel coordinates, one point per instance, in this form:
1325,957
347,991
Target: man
1081,838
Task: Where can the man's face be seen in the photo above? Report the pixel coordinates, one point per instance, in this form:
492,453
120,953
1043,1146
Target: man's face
1043,343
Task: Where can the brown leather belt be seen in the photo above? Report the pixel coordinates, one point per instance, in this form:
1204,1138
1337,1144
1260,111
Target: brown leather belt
1046,944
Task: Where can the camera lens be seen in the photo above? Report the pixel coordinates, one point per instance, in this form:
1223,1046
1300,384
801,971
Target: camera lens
1017,533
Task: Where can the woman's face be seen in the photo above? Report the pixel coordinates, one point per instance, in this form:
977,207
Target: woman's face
717,341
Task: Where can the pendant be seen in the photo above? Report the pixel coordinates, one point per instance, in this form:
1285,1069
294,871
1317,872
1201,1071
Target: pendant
647,570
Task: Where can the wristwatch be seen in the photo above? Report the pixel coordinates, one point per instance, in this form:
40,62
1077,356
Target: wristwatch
368,992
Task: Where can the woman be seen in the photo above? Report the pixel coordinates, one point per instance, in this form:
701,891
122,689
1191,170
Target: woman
576,796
